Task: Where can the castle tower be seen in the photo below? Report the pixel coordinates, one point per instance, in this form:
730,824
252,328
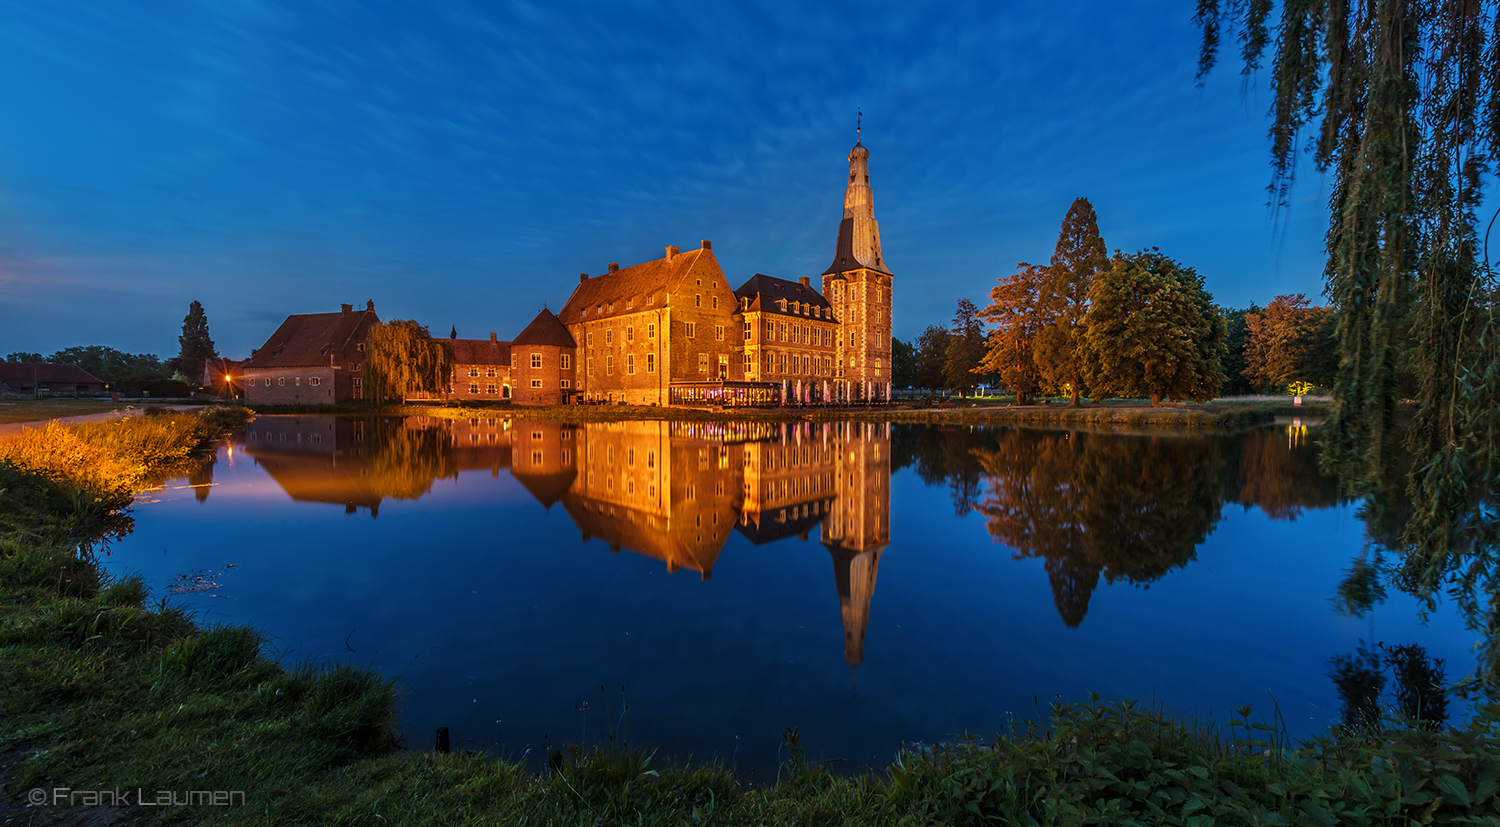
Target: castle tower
858,284
857,528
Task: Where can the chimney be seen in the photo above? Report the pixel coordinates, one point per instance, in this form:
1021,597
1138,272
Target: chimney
806,281
707,245
348,308
492,337
370,305
583,277
613,268
672,253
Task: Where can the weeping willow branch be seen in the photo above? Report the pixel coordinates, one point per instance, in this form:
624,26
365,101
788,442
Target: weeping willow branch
1402,100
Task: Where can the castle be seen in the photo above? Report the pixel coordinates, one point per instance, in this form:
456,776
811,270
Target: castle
665,332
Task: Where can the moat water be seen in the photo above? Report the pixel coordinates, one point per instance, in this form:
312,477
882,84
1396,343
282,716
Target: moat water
701,587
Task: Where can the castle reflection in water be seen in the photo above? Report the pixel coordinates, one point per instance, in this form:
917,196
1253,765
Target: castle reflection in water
668,490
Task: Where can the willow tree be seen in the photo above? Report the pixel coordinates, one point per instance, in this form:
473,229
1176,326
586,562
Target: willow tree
1399,100
1080,256
405,361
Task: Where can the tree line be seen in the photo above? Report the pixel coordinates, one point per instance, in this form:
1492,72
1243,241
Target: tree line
1091,324
132,373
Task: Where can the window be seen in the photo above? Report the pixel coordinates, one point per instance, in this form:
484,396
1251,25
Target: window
565,362
719,332
747,331
590,366
589,338
536,383
630,457
281,381
609,336
473,387
567,457
697,299
268,381
473,371
749,364
781,331
630,333
505,391
691,329
770,331
651,363
360,347
630,363
536,457
536,361
609,365
353,366
490,389
651,331
716,302
490,372
723,366
359,388
565,383
781,363
703,363
609,455
315,381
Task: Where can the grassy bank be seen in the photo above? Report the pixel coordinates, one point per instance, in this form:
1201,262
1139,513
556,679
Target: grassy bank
103,688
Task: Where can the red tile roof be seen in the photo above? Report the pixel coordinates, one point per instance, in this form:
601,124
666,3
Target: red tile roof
311,339
22,374
479,351
545,329
764,291
634,288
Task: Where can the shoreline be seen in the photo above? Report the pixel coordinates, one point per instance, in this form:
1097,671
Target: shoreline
103,687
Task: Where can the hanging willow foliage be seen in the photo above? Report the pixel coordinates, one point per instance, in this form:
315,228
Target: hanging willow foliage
1400,100
405,361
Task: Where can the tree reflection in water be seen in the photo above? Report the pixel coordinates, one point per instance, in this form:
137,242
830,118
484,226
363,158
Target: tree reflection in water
1090,505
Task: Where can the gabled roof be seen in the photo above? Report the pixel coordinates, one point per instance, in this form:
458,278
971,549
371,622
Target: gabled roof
765,291
479,351
634,288
545,329
309,339
21,374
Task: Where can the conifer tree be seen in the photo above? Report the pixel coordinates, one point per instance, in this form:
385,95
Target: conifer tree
197,347
1015,320
932,357
1152,330
965,348
1064,297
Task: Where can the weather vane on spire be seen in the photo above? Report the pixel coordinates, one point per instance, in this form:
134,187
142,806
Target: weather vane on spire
859,118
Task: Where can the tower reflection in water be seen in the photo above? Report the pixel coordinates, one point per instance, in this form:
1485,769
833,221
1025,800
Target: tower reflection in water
672,491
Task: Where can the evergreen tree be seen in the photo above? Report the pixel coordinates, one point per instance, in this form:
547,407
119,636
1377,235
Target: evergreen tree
197,347
405,360
1079,258
1013,315
932,357
1152,330
965,349
1235,381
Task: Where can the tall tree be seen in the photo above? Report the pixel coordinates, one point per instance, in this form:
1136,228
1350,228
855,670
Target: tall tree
1280,338
1152,330
197,347
1064,299
404,360
1401,100
903,364
1235,338
23,356
1014,319
932,357
965,349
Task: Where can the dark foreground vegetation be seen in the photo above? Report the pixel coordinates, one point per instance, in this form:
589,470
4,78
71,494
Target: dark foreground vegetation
103,688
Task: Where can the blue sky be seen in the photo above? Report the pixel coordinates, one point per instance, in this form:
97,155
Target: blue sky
460,164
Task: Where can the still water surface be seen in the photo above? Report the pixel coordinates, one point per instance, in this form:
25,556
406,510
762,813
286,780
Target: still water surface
871,584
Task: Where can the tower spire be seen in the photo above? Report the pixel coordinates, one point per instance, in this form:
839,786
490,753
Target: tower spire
859,119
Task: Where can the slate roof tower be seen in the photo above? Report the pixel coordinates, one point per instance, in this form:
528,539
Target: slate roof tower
858,283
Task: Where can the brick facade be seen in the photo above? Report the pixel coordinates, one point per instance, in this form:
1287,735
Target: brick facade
311,359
